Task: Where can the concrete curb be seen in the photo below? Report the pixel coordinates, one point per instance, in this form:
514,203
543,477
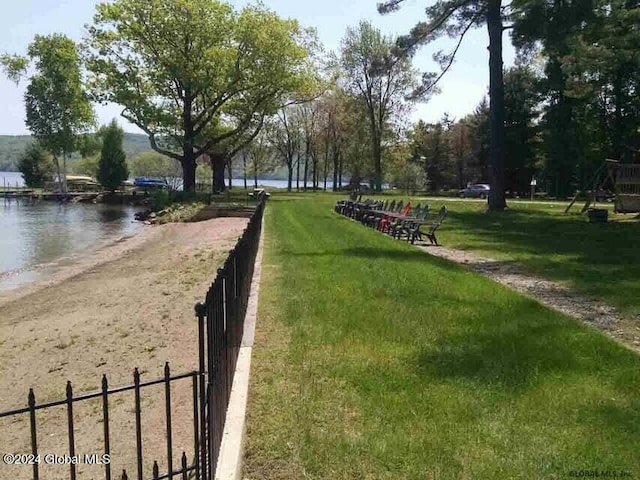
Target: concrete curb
232,448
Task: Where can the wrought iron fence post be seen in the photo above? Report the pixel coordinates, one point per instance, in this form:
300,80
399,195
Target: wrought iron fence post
136,382
201,311
105,421
72,446
167,396
34,438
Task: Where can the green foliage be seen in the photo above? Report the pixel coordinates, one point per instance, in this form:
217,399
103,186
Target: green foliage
87,166
11,147
35,165
155,165
89,144
57,107
379,82
522,100
112,167
160,199
178,68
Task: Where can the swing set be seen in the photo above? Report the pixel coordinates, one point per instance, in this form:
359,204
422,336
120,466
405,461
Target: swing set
626,181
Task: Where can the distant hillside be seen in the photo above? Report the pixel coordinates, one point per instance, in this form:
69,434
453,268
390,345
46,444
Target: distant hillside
11,146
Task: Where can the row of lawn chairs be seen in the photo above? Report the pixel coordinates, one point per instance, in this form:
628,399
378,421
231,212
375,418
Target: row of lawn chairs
401,221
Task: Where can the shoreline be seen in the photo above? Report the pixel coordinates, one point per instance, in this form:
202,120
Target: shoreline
47,274
130,304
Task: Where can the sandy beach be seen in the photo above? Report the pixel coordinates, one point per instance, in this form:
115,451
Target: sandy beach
128,305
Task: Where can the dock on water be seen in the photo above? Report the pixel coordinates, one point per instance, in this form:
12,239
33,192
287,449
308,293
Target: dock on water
20,193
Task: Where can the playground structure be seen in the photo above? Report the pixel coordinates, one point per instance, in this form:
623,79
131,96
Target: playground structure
626,181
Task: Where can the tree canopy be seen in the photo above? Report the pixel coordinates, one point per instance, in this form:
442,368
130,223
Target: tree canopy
178,67
57,107
112,167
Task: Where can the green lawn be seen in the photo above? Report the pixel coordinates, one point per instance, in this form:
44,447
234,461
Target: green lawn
374,360
599,260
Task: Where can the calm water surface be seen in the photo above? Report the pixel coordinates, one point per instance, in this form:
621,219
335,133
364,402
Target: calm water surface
34,235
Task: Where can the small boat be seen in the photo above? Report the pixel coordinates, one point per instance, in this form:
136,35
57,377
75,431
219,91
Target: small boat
147,182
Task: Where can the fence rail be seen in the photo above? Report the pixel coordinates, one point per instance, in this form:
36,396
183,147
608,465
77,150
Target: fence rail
220,330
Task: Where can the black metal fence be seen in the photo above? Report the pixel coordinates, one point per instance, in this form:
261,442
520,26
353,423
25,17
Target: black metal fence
220,330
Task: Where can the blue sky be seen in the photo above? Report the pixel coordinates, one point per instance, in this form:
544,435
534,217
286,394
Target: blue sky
462,88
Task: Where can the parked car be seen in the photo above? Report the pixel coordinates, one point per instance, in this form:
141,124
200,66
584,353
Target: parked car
478,190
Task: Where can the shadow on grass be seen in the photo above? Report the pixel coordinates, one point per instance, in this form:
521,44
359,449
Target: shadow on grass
598,258
506,358
373,253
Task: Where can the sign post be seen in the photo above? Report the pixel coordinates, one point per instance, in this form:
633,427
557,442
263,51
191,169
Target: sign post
533,184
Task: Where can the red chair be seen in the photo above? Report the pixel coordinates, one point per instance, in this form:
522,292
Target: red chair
386,220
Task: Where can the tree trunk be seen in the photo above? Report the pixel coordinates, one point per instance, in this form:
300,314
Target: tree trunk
230,171
377,165
188,169
188,160
335,168
244,171
290,177
496,107
217,168
56,162
618,124
298,174
255,174
339,171
306,172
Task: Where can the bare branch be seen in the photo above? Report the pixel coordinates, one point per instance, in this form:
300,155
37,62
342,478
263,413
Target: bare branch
152,137
426,89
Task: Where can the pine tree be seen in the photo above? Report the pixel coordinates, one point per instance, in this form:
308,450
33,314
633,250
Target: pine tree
35,166
112,169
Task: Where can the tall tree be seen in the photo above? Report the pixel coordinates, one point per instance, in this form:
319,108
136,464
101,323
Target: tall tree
261,154
112,168
455,18
57,106
286,140
522,99
380,81
177,67
551,24
35,166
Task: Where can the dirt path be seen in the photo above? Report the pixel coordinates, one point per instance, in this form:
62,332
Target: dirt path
553,294
129,305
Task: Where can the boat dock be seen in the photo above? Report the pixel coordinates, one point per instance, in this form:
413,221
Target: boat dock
20,193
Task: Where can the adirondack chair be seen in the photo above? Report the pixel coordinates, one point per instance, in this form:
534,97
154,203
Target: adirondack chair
411,225
362,208
431,233
370,214
389,207
388,222
376,214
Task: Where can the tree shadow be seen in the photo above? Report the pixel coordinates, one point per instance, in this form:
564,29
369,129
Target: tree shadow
513,352
594,257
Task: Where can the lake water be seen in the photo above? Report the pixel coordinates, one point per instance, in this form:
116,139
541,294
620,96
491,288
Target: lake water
37,235
14,179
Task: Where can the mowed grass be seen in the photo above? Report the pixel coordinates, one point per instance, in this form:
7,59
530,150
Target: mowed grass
374,360
598,260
